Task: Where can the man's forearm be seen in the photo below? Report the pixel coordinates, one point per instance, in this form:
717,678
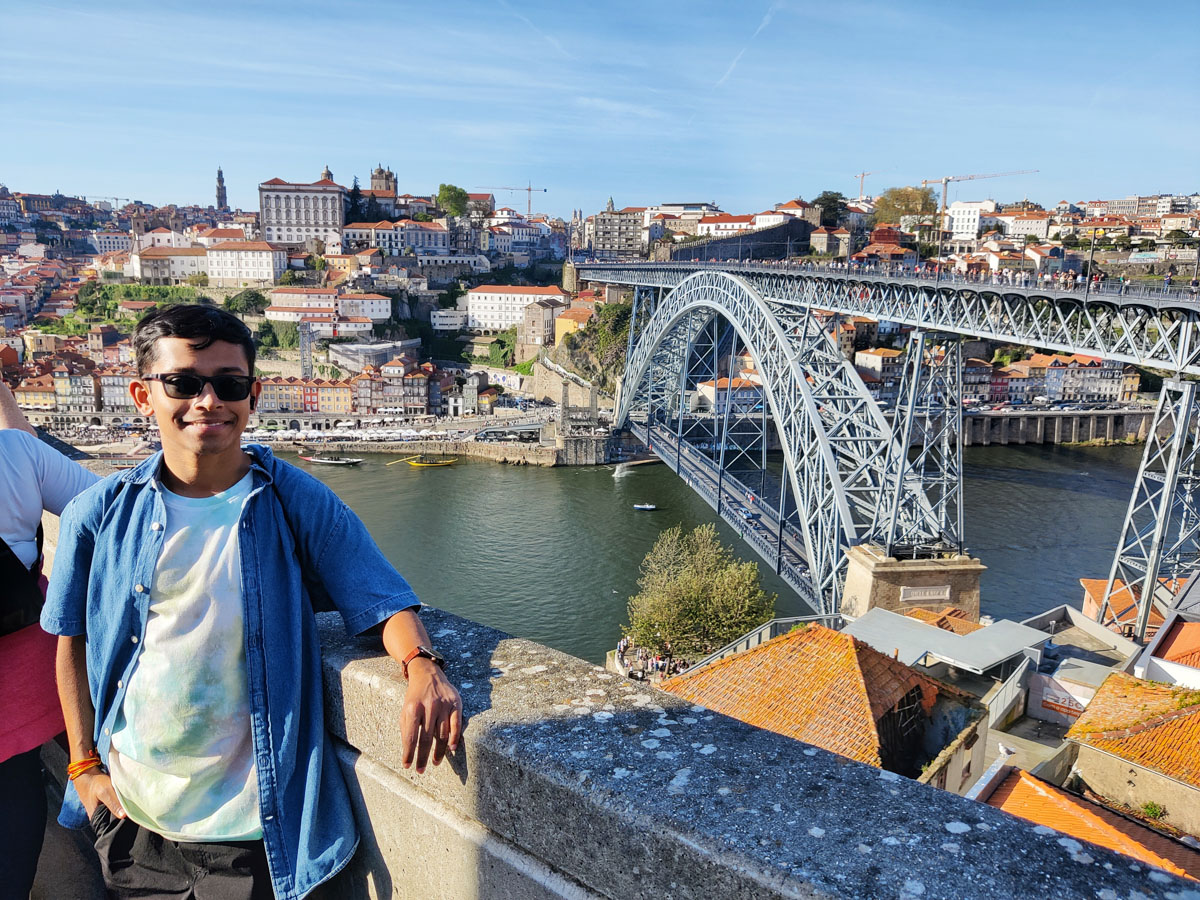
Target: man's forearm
10,414
402,632
78,712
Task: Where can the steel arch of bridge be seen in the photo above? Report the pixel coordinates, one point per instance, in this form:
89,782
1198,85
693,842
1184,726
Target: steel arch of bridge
1136,329
834,438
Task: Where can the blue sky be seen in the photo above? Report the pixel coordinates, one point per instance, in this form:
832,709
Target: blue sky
745,104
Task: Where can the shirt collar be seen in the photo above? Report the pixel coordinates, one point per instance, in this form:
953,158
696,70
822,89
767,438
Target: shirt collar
146,472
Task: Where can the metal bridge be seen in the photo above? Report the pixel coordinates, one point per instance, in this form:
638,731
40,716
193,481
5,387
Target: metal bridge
845,476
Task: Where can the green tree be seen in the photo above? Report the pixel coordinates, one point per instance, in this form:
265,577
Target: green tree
452,199
1031,239
832,205
266,334
903,201
249,301
1071,241
200,279
288,277
354,208
1177,237
372,212
422,217
288,334
695,595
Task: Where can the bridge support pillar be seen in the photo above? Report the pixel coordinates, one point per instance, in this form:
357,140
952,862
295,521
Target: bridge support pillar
875,579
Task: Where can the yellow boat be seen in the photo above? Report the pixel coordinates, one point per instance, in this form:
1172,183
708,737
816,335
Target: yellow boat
426,462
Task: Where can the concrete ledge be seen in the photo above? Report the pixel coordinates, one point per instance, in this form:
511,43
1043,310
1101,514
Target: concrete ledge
573,782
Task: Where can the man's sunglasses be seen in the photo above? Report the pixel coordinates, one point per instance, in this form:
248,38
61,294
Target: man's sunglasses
186,386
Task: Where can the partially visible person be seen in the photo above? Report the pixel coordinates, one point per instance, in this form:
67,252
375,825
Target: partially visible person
33,477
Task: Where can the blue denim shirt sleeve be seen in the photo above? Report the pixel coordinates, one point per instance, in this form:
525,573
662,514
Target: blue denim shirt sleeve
65,610
365,588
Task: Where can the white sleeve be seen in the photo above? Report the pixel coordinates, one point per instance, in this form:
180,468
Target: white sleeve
59,478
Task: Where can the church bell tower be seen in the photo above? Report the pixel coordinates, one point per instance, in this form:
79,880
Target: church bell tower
222,200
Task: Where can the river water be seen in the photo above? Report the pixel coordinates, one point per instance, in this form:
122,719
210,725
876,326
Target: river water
552,554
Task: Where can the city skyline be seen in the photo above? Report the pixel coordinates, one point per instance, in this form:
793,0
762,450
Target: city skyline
646,105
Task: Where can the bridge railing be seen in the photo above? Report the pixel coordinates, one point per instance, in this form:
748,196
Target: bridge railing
1174,293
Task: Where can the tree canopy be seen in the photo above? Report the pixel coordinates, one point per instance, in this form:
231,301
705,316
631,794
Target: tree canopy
452,199
248,301
832,205
904,201
695,595
354,206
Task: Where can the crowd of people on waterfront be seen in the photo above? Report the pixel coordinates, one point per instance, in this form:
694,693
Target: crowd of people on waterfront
646,665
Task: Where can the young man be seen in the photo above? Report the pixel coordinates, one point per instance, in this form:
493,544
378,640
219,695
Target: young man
188,662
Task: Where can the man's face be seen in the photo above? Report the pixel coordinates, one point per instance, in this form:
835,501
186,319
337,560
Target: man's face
203,425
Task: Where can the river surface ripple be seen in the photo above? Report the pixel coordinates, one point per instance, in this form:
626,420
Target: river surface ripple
552,554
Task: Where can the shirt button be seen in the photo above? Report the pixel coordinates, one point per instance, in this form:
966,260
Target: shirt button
134,639
156,526
139,588
120,684
108,731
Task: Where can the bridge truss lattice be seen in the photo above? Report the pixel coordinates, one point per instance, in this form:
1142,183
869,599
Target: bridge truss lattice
848,475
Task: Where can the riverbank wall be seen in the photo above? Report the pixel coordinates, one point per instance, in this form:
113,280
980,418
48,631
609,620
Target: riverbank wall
512,454
1056,427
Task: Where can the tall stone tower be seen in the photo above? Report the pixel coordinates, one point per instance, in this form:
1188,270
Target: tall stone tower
326,175
383,179
222,200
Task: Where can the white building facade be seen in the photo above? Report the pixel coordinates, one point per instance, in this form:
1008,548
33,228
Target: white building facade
496,307
292,214
245,264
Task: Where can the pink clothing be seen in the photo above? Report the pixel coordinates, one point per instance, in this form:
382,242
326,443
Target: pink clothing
30,713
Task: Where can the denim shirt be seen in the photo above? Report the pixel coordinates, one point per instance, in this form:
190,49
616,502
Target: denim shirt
109,542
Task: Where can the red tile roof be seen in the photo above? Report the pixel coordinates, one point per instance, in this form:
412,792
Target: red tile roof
550,291
1034,800
1181,645
949,619
245,246
813,684
1152,725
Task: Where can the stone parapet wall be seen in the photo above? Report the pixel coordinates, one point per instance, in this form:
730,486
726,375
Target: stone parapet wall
575,783
503,452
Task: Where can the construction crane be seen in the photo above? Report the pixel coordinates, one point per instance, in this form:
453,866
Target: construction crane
862,176
528,189
949,178
116,200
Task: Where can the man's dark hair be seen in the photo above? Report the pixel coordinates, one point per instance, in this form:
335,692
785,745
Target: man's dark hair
202,325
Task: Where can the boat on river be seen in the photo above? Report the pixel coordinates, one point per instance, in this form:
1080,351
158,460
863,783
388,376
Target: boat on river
645,507
430,462
333,460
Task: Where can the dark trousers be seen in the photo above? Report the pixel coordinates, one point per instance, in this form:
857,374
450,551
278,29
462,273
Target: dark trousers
22,823
139,863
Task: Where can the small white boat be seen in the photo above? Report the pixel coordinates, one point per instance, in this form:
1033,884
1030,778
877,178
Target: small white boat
333,460
645,507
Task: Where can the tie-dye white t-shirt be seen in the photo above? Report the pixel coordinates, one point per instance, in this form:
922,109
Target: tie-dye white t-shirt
182,759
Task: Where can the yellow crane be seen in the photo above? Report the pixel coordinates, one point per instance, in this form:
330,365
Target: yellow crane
528,189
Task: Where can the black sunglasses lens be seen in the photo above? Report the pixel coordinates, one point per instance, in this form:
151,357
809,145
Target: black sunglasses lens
230,388
182,387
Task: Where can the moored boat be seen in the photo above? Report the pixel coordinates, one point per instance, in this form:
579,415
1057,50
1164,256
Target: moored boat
429,462
645,507
333,460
